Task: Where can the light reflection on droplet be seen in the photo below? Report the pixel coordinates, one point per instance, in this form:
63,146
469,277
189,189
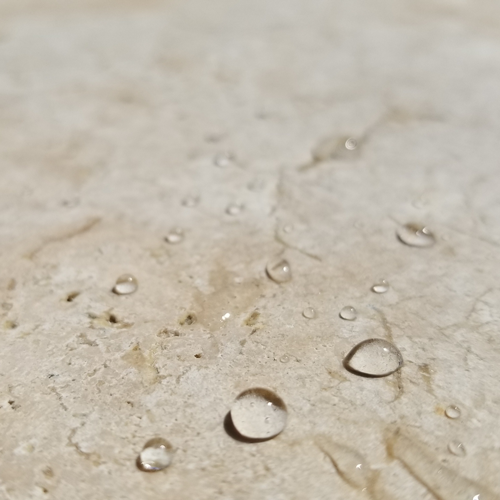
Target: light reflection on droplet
415,235
453,412
175,236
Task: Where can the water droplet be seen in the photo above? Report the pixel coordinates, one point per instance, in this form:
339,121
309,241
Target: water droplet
125,285
234,209
175,236
190,201
415,235
309,313
259,414
381,287
287,228
351,144
156,455
223,159
374,358
457,448
225,317
278,269
285,358
348,313
453,412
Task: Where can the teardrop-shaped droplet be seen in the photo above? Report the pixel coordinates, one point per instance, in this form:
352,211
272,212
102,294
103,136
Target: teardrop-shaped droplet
175,236
457,448
415,235
278,269
259,414
125,285
234,209
156,455
374,358
348,313
309,313
453,412
381,286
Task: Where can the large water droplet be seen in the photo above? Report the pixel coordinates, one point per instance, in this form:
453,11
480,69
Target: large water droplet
278,269
415,235
223,159
457,448
309,313
125,285
258,414
453,412
348,313
374,358
156,455
234,209
380,287
175,236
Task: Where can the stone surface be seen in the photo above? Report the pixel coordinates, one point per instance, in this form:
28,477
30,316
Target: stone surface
111,114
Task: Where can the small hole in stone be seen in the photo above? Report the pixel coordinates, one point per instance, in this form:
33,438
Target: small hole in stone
197,355
113,319
188,319
72,296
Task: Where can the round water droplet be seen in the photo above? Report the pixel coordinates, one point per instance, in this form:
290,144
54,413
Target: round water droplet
453,412
234,209
223,159
125,285
351,144
415,235
259,414
348,313
457,448
309,313
285,358
156,455
278,269
175,236
288,228
374,358
381,287
190,201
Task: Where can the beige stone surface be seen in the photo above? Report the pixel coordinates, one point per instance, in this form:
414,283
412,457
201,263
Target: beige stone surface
111,114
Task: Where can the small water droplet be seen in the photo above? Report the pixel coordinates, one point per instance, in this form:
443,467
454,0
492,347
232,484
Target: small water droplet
190,201
453,412
457,448
374,358
259,414
175,236
156,455
125,285
288,228
234,209
285,358
415,235
278,269
380,287
351,144
223,159
348,313
225,317
309,313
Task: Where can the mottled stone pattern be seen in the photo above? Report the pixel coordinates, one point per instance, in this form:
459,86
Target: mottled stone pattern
331,123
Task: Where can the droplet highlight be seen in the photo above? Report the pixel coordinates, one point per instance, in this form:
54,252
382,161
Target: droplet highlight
278,269
223,159
457,448
348,313
125,285
309,313
234,209
415,235
380,287
175,236
156,455
453,412
351,144
259,414
374,358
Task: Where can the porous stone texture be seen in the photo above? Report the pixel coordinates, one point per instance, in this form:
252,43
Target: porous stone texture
111,114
